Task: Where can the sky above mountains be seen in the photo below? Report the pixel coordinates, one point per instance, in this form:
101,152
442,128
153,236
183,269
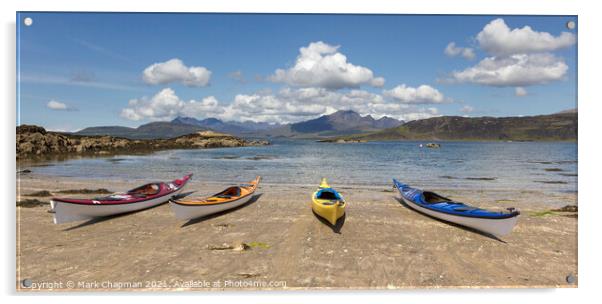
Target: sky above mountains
79,70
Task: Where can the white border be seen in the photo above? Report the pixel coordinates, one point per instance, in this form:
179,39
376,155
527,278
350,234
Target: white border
589,25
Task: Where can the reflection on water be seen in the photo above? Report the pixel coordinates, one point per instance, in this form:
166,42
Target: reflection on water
487,165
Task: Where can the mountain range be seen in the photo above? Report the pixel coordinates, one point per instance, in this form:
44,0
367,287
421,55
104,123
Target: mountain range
230,127
336,124
350,125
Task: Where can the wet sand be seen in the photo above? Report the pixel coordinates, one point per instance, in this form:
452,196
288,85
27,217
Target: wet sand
276,242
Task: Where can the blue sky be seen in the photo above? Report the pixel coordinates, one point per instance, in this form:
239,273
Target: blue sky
86,69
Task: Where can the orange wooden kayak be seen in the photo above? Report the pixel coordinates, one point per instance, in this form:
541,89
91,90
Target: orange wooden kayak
231,197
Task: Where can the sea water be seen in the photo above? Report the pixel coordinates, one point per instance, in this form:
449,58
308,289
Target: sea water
546,166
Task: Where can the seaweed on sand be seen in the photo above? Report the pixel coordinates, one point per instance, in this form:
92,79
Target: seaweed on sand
31,203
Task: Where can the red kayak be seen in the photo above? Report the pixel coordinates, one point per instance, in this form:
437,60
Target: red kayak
143,197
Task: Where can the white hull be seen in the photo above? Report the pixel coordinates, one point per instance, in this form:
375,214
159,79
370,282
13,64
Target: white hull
188,212
66,212
497,227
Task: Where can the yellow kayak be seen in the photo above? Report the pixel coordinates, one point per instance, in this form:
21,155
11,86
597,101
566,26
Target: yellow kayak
328,203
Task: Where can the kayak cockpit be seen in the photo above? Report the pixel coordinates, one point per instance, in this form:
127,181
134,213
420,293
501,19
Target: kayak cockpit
146,190
434,198
229,193
329,196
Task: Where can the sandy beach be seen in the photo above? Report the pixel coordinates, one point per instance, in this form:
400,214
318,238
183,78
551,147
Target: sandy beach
276,242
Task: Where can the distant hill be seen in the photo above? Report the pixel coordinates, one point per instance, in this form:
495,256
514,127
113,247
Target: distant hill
387,122
153,130
335,124
559,126
115,131
230,127
568,111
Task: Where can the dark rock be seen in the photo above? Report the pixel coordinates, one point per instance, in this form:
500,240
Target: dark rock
30,129
433,145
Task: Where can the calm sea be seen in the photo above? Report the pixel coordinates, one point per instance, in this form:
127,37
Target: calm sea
548,166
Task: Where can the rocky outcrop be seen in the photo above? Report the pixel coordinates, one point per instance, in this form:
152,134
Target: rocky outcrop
433,145
36,142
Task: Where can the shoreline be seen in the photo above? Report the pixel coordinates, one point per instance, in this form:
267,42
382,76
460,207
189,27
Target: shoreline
555,199
382,245
333,140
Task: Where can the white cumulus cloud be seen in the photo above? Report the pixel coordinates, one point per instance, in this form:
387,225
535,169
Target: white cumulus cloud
174,70
423,94
285,106
294,105
56,105
498,39
518,57
322,65
166,105
452,50
514,70
59,106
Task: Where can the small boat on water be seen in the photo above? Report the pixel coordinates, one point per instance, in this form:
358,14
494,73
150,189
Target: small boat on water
231,197
328,203
143,197
433,145
430,203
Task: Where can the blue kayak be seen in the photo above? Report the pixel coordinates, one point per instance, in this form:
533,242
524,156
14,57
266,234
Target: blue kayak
430,203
